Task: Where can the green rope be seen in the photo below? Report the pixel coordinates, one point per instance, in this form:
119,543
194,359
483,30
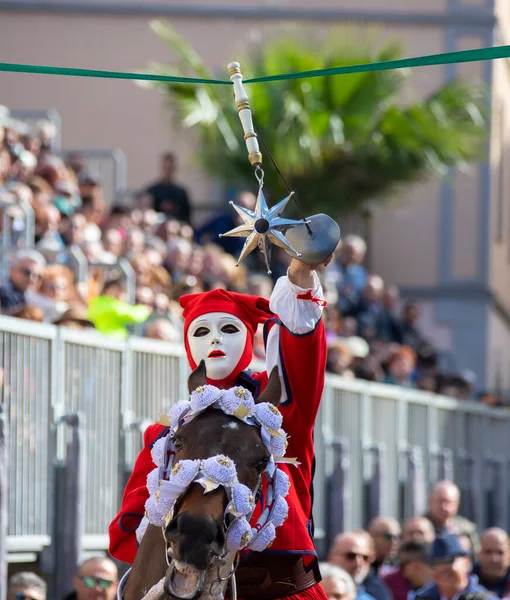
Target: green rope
71,72
419,61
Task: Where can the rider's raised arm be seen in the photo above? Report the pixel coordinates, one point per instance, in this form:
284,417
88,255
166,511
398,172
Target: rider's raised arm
297,342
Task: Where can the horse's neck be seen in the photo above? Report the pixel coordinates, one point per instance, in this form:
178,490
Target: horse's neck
149,566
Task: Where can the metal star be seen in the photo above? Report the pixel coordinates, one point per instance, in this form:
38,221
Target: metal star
263,227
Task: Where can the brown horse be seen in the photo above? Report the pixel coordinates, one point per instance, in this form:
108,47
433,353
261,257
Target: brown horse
190,554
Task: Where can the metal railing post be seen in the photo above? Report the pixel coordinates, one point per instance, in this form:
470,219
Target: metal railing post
76,254
338,491
129,273
4,497
69,523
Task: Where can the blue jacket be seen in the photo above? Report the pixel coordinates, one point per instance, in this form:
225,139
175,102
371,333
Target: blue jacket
374,587
430,592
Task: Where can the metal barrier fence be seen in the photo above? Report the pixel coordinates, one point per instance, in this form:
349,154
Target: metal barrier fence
111,167
378,448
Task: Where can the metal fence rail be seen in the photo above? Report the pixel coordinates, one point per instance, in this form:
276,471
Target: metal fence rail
378,448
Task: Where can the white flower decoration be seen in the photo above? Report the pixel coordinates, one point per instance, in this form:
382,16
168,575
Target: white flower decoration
279,512
153,481
220,469
261,540
281,483
177,411
268,416
153,513
159,452
237,401
278,445
242,502
183,473
203,397
238,534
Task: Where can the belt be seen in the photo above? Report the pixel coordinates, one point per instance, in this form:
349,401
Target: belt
268,577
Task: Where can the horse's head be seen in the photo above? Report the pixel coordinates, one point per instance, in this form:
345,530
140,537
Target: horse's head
196,534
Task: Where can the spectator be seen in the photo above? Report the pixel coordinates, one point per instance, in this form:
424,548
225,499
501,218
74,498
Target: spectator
168,197
162,329
401,366
337,583
96,578
418,529
450,571
111,314
75,317
340,359
493,566
386,533
410,334
414,571
26,586
212,229
55,292
25,274
354,552
443,507
370,311
348,272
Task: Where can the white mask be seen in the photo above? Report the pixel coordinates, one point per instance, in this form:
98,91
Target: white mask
219,339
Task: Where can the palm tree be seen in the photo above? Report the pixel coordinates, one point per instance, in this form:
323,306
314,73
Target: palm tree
343,142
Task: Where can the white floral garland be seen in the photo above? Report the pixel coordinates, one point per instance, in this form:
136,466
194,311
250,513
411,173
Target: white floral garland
167,482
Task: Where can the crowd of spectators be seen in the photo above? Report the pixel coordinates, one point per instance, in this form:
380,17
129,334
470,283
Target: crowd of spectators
434,556
371,334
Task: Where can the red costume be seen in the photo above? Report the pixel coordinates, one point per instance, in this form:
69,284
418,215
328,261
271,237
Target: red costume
302,361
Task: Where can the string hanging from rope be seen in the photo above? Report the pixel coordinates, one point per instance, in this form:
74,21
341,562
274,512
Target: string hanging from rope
462,56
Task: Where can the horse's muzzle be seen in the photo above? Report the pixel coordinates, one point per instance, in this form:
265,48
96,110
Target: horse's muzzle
195,539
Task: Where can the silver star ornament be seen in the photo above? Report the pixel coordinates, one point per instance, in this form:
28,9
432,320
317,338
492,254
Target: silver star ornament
263,227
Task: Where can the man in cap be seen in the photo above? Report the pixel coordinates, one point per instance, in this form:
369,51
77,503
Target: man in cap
219,329
451,568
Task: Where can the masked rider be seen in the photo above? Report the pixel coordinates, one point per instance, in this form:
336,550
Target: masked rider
219,327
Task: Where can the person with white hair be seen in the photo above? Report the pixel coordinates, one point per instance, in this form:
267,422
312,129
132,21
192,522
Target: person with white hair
25,274
337,583
348,272
444,505
26,585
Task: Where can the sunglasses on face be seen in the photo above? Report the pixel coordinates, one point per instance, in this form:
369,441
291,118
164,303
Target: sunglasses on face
29,273
354,556
22,596
390,537
94,582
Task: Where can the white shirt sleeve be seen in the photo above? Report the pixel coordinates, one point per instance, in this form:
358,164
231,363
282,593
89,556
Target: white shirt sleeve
299,316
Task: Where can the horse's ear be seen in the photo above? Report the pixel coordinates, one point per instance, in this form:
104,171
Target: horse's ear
198,377
273,391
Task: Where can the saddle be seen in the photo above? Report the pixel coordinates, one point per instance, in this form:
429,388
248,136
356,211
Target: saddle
268,577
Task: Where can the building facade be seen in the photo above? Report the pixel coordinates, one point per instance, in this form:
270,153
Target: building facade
445,243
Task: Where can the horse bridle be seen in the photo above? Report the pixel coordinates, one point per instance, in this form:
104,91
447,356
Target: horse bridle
218,560
168,482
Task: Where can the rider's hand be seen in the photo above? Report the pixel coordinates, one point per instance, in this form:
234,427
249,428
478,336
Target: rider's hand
300,274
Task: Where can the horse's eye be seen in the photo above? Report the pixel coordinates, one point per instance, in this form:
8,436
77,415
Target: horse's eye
178,443
262,464
201,331
229,329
